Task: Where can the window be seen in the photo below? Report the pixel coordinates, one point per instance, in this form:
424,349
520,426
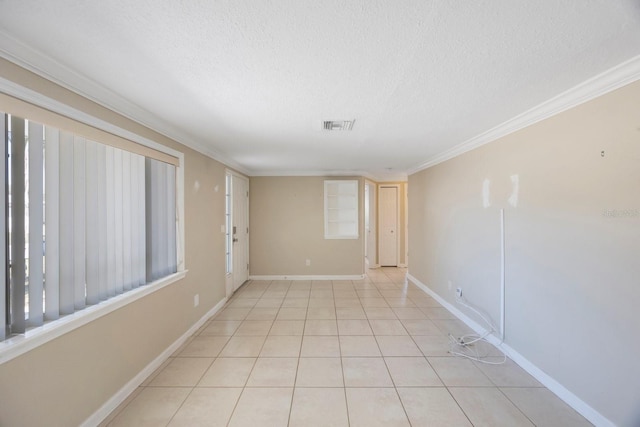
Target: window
341,209
84,221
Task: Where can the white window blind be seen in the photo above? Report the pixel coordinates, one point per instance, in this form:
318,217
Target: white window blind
86,221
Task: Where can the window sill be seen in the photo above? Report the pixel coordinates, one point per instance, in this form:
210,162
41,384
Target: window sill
20,344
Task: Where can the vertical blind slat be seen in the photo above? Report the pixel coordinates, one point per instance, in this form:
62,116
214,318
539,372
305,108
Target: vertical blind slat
67,212
142,272
133,203
162,221
36,215
157,220
91,224
170,209
111,222
148,225
126,219
3,254
52,225
79,221
119,233
18,265
102,221
151,195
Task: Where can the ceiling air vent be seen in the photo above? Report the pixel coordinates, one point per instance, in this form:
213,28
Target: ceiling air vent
338,124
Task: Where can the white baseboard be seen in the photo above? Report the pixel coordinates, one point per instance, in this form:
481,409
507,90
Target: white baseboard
584,409
370,265
309,277
111,404
593,416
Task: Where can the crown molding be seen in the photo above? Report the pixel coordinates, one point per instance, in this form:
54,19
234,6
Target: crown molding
610,80
40,64
397,177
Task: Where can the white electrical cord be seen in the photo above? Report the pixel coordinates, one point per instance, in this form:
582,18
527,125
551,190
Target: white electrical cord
466,345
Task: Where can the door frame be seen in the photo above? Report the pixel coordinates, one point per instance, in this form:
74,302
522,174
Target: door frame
230,282
371,260
405,248
398,195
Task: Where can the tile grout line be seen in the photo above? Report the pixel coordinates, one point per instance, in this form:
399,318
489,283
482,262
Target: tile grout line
344,383
458,403
515,405
235,407
181,405
295,380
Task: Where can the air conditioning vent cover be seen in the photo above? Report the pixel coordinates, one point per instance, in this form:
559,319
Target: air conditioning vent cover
337,124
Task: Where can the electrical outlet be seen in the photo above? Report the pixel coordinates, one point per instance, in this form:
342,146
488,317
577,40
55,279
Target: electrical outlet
196,300
459,292
308,262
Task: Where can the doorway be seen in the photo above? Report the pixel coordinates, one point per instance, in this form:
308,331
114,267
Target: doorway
237,230
388,216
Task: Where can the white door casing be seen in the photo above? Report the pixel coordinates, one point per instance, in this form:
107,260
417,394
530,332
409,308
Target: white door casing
388,225
371,247
240,230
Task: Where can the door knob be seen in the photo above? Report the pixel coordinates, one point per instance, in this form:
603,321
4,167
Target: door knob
235,239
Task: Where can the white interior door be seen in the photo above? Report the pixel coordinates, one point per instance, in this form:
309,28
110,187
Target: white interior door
240,230
388,226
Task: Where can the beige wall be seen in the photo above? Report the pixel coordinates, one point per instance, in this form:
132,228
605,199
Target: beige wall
286,222
64,381
572,272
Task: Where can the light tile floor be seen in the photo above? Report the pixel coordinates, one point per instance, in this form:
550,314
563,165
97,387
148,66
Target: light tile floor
369,352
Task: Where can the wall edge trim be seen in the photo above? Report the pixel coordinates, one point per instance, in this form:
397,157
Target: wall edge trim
580,406
110,405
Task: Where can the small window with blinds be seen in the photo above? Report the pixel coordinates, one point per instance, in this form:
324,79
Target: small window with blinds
84,221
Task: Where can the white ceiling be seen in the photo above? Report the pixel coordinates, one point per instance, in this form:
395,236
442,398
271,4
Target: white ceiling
249,82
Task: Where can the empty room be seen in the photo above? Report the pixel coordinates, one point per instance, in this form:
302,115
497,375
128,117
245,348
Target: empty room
320,213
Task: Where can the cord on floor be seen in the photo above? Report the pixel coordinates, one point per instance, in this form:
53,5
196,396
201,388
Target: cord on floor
468,346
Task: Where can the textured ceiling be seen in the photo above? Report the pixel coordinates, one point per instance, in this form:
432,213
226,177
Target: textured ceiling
251,81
